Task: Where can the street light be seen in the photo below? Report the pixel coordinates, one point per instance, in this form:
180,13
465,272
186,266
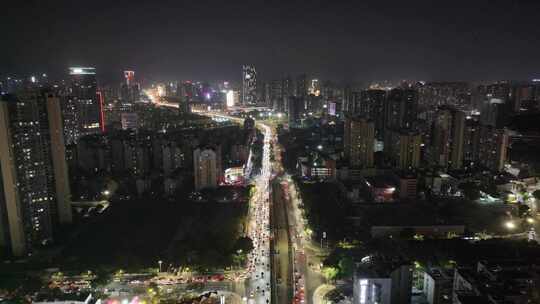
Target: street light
160,262
510,225
530,220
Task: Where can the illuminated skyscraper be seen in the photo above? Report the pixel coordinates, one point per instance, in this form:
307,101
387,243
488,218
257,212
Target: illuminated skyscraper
359,141
471,141
186,91
36,192
130,77
83,109
249,85
130,90
403,148
314,88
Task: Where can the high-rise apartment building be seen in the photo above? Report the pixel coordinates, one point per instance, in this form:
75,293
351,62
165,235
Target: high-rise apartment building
495,112
448,138
130,90
301,86
173,157
493,148
249,85
314,87
287,87
276,95
263,94
186,91
370,104
58,155
404,148
36,193
295,110
458,140
82,107
523,96
471,141
267,100
434,94
205,167
130,77
401,108
359,141
334,98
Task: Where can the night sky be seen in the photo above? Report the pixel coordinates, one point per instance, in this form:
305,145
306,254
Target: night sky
210,40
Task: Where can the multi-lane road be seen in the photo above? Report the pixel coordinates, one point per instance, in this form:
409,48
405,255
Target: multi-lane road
259,280
281,275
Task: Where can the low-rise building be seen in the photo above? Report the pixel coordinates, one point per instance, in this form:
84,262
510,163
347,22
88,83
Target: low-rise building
441,184
316,166
382,282
498,282
407,185
438,285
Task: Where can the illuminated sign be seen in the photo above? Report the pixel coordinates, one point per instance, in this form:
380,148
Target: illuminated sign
82,71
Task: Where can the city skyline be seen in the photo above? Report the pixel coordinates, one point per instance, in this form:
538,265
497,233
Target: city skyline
260,152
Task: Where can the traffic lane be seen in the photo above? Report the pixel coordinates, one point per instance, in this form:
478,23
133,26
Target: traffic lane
312,278
282,245
260,278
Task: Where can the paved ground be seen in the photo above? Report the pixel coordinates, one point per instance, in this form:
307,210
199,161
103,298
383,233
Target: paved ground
258,283
282,260
320,292
307,253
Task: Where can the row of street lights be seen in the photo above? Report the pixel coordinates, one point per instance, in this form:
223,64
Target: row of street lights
511,225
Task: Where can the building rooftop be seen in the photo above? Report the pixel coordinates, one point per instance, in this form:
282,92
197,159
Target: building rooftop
437,273
500,283
502,264
377,267
380,181
406,174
